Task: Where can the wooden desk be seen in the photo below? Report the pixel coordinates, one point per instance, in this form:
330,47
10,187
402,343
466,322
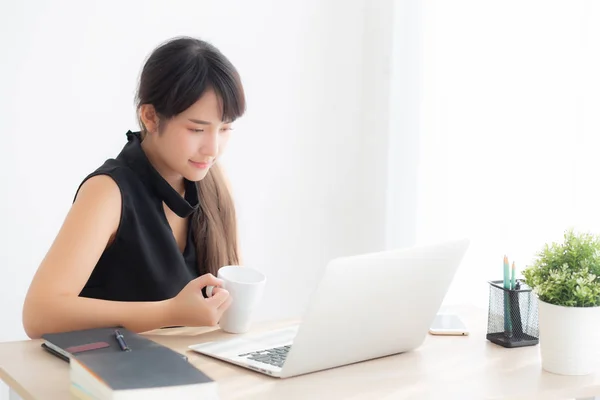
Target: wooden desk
443,367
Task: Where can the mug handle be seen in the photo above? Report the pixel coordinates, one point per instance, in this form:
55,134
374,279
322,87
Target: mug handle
209,290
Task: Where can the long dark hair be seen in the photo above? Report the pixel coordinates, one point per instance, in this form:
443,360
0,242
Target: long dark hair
174,77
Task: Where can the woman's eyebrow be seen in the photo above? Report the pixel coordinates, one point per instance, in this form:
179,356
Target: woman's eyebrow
199,121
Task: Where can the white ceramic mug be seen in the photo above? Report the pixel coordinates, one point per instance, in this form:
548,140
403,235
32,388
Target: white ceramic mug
245,286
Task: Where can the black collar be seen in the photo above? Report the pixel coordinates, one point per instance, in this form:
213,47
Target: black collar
133,155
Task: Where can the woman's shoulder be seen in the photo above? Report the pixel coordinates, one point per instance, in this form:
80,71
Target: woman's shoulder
98,202
112,167
100,188
113,176
102,182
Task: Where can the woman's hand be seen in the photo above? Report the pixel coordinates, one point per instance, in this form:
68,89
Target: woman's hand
191,308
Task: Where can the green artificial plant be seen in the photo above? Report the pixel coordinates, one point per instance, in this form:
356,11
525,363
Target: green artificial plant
568,273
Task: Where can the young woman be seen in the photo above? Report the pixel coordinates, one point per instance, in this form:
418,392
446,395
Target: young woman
148,230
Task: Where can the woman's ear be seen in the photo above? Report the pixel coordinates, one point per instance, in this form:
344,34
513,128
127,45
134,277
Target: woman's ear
149,118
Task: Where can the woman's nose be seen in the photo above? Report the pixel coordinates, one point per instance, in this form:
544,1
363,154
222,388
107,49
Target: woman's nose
210,144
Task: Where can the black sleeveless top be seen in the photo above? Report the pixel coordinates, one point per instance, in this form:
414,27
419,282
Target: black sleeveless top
144,263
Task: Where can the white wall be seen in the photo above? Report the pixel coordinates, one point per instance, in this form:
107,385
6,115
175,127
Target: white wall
302,161
509,130
405,88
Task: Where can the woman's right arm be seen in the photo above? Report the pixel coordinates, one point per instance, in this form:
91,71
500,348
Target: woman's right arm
53,304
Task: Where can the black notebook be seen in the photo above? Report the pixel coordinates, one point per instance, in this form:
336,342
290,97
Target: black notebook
99,341
100,369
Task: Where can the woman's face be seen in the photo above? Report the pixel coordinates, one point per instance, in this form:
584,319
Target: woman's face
189,143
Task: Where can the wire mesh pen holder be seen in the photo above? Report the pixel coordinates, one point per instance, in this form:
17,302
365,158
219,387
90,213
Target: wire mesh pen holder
512,315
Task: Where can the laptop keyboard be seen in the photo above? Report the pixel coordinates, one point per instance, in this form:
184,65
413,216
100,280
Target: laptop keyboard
275,356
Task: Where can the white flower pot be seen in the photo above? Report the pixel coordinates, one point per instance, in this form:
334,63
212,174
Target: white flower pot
569,339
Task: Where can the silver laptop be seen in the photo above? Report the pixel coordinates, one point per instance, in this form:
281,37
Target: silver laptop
365,307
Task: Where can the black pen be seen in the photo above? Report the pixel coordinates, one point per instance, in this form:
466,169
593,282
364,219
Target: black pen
121,341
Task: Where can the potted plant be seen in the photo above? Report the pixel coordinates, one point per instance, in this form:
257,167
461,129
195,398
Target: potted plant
565,278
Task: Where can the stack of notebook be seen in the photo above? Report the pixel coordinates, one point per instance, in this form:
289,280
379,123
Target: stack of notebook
105,366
